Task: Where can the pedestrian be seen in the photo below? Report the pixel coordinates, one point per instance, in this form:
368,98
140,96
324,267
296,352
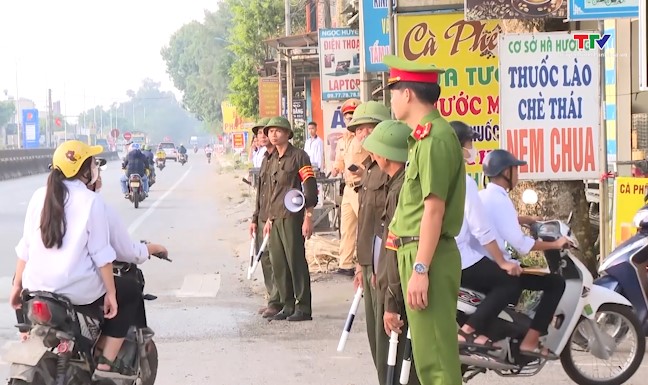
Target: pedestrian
371,198
289,168
349,162
314,147
259,219
388,147
428,217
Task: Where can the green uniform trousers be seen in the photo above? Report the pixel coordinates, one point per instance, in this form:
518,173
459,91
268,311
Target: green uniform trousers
266,266
289,265
434,329
370,297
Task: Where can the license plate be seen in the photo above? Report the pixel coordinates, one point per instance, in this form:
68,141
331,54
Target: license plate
135,184
26,353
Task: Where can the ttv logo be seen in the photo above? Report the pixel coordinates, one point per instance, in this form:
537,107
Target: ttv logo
591,40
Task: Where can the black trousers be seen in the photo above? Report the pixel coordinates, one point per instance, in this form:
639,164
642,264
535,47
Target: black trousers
552,287
488,278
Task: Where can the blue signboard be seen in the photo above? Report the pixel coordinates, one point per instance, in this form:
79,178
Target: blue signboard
375,34
30,129
601,9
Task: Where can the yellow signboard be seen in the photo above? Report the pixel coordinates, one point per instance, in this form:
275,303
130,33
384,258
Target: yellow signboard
232,122
469,87
629,195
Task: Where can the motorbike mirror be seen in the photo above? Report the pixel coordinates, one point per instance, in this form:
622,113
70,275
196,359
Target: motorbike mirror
529,197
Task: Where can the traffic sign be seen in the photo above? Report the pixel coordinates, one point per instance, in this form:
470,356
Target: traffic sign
114,132
167,138
127,135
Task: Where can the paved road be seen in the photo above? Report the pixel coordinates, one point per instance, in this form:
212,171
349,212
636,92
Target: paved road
205,318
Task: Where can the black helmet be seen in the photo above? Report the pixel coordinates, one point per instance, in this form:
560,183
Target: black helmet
464,132
499,160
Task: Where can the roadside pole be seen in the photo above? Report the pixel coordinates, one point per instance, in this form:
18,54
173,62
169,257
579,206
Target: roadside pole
604,195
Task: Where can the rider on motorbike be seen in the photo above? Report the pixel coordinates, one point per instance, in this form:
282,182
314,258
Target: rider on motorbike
501,167
135,163
502,274
146,150
65,248
183,151
208,150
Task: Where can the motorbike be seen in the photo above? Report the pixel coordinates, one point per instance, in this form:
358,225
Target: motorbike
576,328
160,163
135,189
62,341
183,159
625,270
209,157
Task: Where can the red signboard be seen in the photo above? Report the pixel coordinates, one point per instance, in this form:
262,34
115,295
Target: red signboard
238,140
127,136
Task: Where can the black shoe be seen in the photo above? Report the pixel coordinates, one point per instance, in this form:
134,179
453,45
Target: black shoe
282,315
300,316
347,272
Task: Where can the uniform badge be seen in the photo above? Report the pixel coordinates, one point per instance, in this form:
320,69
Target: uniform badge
422,131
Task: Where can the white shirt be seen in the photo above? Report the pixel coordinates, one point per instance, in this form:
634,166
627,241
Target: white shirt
257,157
475,229
501,211
72,270
208,150
120,240
314,147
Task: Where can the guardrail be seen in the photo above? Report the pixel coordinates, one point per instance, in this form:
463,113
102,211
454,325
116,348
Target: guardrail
20,163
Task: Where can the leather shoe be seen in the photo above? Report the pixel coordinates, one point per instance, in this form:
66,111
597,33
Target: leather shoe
270,312
347,272
282,315
300,316
262,309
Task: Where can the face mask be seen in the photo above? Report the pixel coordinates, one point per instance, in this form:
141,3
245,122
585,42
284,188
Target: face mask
95,173
472,154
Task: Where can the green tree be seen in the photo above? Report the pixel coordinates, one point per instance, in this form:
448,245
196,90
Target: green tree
7,111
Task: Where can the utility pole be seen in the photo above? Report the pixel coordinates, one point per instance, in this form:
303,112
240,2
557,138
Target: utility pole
50,118
287,15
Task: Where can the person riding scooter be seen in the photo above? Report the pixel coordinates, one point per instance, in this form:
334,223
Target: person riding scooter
501,167
151,158
183,151
135,163
208,152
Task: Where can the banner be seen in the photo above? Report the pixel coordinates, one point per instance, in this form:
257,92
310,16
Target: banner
299,110
232,122
515,9
628,199
339,50
467,50
269,97
30,129
334,128
601,9
375,34
238,140
550,91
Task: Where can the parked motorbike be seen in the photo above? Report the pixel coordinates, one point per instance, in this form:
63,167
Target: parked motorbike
576,329
183,159
60,349
135,189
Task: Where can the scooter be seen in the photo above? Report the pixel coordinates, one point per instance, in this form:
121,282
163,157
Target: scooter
183,159
135,189
160,163
62,342
575,329
625,269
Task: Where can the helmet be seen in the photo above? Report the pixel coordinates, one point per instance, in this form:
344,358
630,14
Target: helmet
349,106
260,124
279,122
135,146
146,147
389,140
369,112
70,155
464,132
499,160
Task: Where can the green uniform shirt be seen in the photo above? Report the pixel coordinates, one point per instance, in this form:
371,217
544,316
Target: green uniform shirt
263,191
371,197
435,166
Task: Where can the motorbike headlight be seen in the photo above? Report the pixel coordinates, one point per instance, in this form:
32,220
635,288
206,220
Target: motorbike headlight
641,218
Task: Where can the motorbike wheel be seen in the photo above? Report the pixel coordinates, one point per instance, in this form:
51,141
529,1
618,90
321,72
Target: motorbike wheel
136,199
574,373
152,356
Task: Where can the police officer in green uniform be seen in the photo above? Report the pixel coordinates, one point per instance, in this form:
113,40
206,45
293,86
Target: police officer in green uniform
371,197
427,220
257,223
289,168
388,147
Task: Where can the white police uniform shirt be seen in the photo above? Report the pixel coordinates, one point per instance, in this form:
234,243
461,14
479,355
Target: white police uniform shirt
314,147
120,240
476,228
72,270
257,157
504,218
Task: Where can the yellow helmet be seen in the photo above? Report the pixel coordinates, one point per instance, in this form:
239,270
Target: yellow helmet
70,155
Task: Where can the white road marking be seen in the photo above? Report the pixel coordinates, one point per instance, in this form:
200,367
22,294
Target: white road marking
200,286
140,219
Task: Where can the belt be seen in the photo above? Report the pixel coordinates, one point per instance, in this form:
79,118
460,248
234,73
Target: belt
394,242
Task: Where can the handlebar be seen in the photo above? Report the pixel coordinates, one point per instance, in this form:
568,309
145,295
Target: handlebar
164,255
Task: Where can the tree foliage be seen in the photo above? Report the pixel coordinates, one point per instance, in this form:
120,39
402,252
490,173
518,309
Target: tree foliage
7,111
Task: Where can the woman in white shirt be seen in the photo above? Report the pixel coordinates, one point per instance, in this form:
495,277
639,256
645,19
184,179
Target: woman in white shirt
65,248
497,279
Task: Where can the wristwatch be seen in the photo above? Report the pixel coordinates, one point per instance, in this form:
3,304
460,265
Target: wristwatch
420,268
309,214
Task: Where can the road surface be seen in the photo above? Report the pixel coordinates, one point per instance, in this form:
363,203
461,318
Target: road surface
205,319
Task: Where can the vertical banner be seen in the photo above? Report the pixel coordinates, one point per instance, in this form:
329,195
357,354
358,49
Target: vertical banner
31,130
628,199
467,51
238,140
578,10
232,121
339,50
550,91
269,97
375,33
610,91
299,110
643,46
334,128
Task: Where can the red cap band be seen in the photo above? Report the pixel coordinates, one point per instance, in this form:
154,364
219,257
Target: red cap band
396,75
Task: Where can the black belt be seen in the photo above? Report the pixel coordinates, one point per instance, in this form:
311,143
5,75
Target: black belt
400,242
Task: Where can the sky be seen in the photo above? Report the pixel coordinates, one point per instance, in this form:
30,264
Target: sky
96,48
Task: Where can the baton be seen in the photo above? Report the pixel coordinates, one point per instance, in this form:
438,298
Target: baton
252,250
349,320
252,269
391,357
407,360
